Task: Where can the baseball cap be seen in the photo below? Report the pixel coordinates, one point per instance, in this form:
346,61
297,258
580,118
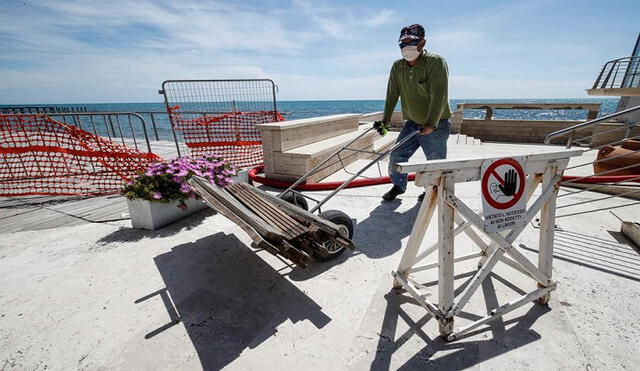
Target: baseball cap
415,31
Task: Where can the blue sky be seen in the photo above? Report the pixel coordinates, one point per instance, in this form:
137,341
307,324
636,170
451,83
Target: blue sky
73,51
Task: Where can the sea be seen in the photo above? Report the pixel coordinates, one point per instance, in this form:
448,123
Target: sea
160,129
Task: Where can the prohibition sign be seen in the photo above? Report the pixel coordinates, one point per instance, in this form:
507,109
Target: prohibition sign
491,171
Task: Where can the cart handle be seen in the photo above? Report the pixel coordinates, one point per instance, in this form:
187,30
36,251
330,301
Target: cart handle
357,174
315,168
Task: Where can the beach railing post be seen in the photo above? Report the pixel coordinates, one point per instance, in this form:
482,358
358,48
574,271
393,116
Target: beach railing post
489,114
153,123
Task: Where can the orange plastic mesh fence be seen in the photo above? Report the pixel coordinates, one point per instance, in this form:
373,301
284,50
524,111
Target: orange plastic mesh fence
41,156
232,136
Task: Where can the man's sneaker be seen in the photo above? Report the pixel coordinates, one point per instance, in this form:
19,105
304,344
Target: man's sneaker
421,197
393,193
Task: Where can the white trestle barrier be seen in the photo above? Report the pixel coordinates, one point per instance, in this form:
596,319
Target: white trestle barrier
439,179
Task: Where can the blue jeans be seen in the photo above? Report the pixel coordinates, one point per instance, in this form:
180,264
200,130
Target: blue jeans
433,145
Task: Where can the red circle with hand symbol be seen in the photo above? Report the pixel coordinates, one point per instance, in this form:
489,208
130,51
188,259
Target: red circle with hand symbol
511,180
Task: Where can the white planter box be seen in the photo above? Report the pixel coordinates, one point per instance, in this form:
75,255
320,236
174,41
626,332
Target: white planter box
243,176
155,215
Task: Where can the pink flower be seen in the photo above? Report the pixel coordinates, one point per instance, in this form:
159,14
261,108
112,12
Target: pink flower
185,188
177,179
183,206
155,169
157,195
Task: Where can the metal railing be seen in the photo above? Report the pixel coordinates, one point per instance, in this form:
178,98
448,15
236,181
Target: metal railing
616,169
157,118
619,73
40,109
125,127
159,121
570,131
128,128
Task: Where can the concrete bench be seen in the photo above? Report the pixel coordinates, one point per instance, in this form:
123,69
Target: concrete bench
291,165
286,135
293,148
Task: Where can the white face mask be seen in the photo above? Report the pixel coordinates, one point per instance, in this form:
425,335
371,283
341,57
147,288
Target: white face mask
410,53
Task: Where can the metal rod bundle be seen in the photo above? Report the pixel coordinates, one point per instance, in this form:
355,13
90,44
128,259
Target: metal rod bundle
273,224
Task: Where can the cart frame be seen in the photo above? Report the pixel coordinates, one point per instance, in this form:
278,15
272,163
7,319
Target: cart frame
379,157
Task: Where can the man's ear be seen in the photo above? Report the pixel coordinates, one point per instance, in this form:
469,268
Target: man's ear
421,44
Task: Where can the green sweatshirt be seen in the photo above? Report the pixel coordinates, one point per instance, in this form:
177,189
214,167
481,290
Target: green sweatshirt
423,90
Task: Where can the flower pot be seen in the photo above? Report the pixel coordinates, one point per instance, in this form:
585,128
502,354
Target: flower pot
155,215
241,176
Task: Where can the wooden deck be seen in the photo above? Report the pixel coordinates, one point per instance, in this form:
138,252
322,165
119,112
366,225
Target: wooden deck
44,212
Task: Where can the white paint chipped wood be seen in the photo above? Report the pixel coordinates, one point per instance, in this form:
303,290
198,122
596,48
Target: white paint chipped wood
441,177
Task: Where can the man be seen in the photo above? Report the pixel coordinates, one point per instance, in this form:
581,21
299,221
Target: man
420,79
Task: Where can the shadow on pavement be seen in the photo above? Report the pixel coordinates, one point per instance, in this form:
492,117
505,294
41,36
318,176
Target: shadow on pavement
619,259
227,298
381,233
131,235
377,236
439,354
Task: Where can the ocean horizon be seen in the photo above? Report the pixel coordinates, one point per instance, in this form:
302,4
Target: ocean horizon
292,110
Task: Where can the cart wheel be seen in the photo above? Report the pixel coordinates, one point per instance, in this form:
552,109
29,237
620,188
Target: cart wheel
296,199
346,230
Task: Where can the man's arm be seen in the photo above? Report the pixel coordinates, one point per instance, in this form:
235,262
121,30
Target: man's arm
438,89
393,93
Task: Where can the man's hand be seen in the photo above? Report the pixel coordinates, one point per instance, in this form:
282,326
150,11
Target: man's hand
426,130
381,128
